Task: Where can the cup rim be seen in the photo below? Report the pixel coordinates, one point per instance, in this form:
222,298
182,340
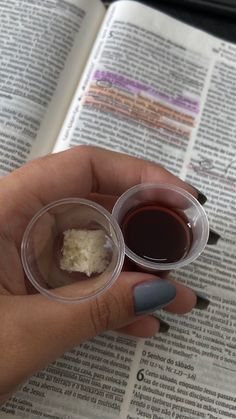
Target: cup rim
119,236
155,266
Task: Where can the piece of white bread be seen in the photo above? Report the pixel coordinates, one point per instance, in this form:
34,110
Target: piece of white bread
85,251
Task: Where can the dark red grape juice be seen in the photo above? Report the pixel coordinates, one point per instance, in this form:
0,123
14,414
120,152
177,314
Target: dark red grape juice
157,233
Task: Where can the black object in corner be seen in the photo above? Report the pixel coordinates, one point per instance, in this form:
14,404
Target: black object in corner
217,17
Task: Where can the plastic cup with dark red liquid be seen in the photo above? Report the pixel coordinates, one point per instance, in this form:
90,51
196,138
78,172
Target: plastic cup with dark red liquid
164,227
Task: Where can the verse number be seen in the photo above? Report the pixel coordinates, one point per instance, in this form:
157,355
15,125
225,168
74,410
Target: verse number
140,375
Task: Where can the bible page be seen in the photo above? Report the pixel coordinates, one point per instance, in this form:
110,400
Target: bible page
44,47
159,89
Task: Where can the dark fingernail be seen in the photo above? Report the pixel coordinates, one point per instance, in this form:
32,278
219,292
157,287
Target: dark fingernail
213,237
200,196
152,295
202,301
164,327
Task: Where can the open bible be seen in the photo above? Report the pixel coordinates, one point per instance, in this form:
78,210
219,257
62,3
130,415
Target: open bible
135,80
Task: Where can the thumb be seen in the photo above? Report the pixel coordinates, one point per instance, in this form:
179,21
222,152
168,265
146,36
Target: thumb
35,330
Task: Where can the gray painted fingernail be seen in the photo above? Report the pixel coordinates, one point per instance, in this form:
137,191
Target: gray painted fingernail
152,295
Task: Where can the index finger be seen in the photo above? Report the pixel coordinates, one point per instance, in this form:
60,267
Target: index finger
85,169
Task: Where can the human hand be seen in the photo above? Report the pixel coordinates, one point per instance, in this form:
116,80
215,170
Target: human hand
35,330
